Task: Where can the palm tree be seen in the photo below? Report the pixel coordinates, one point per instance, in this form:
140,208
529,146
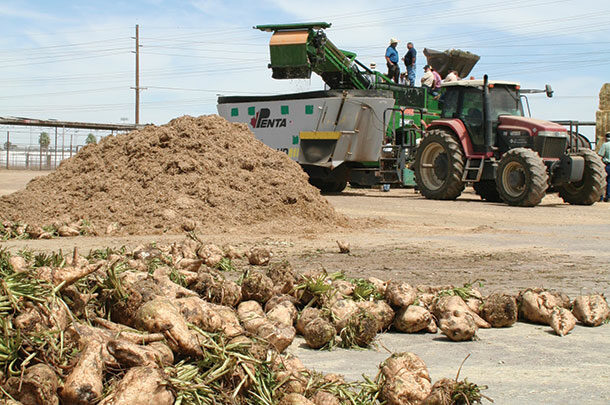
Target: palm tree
90,139
44,141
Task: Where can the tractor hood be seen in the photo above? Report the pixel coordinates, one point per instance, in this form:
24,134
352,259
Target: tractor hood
453,59
531,125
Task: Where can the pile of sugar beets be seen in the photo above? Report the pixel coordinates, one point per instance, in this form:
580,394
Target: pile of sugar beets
178,324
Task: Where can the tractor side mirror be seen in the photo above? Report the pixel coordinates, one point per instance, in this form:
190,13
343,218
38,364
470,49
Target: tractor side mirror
549,90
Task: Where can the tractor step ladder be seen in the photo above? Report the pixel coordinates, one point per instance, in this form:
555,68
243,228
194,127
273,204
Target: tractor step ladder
391,164
473,165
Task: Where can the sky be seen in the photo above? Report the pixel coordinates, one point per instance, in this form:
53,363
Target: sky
74,60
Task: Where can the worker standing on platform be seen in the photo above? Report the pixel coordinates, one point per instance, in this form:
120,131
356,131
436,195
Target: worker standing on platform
391,57
409,60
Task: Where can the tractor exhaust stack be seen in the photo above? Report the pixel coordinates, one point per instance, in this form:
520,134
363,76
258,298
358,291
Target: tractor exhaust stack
489,141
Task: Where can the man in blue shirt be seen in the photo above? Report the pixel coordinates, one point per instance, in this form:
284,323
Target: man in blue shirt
391,57
410,63
604,152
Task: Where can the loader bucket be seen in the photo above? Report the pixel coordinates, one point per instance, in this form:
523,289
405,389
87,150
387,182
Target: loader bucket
454,59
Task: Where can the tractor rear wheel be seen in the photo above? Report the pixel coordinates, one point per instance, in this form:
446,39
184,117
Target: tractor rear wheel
590,189
487,190
438,166
522,179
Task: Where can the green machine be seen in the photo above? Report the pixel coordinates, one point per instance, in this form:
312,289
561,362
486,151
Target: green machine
298,50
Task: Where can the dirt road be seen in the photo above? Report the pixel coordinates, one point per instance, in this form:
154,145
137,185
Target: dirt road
401,235
13,180
552,245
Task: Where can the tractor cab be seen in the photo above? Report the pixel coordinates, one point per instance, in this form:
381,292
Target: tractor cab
464,100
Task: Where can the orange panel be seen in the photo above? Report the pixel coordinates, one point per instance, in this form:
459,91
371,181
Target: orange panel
289,38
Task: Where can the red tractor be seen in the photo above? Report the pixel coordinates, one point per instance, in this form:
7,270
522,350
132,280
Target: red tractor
484,139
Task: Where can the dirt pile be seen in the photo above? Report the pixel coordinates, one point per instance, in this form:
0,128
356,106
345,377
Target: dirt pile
192,172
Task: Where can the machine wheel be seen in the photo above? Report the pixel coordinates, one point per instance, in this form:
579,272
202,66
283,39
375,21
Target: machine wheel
339,186
522,178
487,190
329,186
589,190
438,166
353,184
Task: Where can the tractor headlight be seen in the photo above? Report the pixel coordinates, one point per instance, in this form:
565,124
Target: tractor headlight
553,134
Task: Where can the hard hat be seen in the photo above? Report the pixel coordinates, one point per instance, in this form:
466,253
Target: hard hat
393,41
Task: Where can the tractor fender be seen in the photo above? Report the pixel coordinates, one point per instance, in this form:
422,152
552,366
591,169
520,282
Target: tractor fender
457,127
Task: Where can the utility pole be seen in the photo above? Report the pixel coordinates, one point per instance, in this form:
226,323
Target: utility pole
63,143
8,147
137,86
55,159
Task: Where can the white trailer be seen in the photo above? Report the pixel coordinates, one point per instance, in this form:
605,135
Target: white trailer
333,134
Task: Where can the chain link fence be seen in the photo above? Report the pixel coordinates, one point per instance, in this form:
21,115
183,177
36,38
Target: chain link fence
42,148
34,157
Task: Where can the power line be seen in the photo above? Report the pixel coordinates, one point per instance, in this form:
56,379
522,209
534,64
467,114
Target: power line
57,93
202,57
542,62
60,57
39,48
67,59
199,49
216,91
542,24
55,33
466,11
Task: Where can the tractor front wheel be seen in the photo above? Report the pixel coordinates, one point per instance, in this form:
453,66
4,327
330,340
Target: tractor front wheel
439,165
590,189
522,179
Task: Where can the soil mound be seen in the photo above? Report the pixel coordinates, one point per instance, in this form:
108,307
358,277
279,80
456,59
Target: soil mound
203,172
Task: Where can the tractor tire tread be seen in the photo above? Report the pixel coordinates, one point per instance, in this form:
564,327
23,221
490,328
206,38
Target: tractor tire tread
538,175
594,182
454,186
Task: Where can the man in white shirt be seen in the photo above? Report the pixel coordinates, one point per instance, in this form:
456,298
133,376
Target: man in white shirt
451,77
428,79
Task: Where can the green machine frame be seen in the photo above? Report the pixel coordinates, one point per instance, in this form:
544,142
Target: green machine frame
297,50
